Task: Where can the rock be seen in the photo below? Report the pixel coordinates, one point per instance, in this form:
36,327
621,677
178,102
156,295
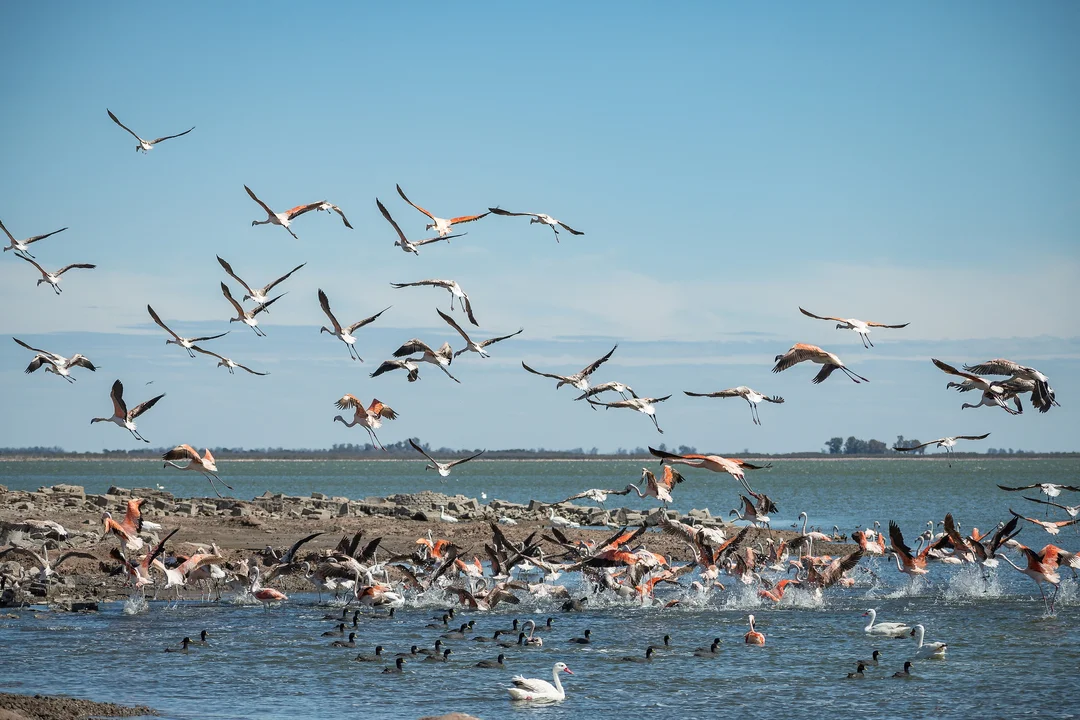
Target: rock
422,516
71,490
69,605
699,514
239,510
114,490
318,496
185,508
343,509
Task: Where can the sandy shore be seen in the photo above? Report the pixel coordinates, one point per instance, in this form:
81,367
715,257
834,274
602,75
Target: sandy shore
51,707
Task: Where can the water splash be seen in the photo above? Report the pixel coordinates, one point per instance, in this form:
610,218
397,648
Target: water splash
136,604
972,582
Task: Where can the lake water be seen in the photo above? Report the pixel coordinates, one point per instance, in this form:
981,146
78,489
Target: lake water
1005,659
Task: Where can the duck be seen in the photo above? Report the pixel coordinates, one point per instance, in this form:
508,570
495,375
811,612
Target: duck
202,639
906,672
753,637
397,668
546,626
514,627
497,664
377,657
429,652
894,629
340,631
413,652
439,658
638,658
539,691
928,650
585,639
335,618
484,638
440,626
183,646
350,643
458,634
858,674
709,651
873,661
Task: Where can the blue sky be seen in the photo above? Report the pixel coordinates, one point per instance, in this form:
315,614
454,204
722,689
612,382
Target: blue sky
902,164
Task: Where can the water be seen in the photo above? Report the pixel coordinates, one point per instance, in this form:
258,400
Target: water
1005,656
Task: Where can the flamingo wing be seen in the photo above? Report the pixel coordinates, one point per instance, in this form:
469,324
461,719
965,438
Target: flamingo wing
413,346
34,239
299,210
117,121
422,451
807,313
467,459
973,437
452,323
467,218
262,306
182,452
117,395
325,303
945,367
592,367
163,326
228,269
386,214
284,277
144,406
996,367
569,229
261,203
228,296
469,312
883,325
406,199
361,323
34,263
170,137
84,266
543,374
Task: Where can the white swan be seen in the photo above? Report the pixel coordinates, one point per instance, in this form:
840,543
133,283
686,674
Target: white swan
560,521
539,691
893,629
928,650
444,517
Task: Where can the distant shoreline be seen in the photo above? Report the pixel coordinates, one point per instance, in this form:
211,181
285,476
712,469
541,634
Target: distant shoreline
818,457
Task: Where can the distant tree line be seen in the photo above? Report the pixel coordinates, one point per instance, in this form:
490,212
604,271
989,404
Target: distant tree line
855,446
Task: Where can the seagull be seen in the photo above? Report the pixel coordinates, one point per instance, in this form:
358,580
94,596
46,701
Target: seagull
56,364
801,351
226,362
261,295
370,418
440,225
642,405
732,466
123,417
146,145
186,343
860,326
539,218
242,315
406,364
993,393
204,464
946,442
345,334
403,242
284,218
1042,397
442,468
751,396
23,245
440,358
53,278
449,285
477,348
579,380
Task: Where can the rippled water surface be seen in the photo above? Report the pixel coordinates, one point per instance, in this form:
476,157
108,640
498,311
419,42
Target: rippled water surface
1005,658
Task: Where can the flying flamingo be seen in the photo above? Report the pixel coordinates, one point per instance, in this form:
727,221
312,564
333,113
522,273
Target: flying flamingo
186,343
23,246
176,578
659,489
612,386
370,418
476,347
751,396
1042,395
946,442
128,529
259,295
1072,510
146,145
56,364
204,464
442,468
345,334
403,242
53,278
245,316
440,225
580,379
862,327
644,405
407,364
226,362
993,393
122,417
800,352
440,358
732,466
285,218
450,286
539,218
907,561
1049,526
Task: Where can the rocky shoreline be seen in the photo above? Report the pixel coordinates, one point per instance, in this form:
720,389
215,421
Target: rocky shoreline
53,707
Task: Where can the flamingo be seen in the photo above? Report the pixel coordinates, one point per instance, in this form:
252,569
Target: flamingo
345,334
407,364
580,379
659,489
811,536
440,225
1072,510
599,495
646,405
993,393
1052,527
285,218
53,278
906,561
146,145
139,573
946,442
128,529
370,418
1048,489
440,358
204,464
265,595
751,513
1041,567
22,246
476,347
873,546
403,242
753,637
450,286
226,362
927,650
539,218
186,343
751,396
56,364
613,386
245,316
122,417
1042,395
862,327
800,352
732,466
776,593
539,691
176,578
442,468
892,629
260,295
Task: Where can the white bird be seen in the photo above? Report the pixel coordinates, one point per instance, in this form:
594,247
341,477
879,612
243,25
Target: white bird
440,225
345,334
122,417
407,364
612,386
226,362
23,245
751,396
539,691
597,495
444,517
560,521
186,343
1042,396
891,629
993,393
260,295
403,242
928,650
440,358
285,218
862,327
476,347
145,145
946,442
540,218
442,468
53,278
1072,510
246,317
646,405
1048,489
580,379
452,287
204,464
830,362
503,520
56,364
370,418
1052,527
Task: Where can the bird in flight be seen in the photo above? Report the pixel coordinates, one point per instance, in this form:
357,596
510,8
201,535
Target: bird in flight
262,294
1042,396
646,405
440,358
226,362
403,242
450,286
442,468
407,364
23,246
145,145
993,393
53,278
122,417
946,442
370,418
204,463
440,225
862,327
732,466
285,218
539,218
245,316
476,347
580,379
186,343
800,352
56,364
751,396
345,334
